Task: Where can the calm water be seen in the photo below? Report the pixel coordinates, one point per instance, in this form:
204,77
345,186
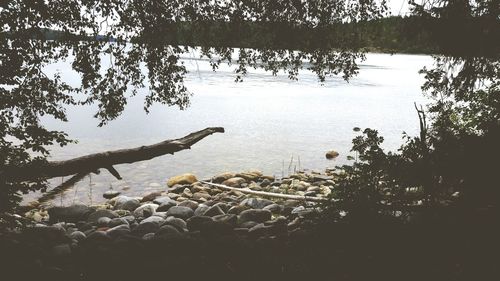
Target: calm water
267,119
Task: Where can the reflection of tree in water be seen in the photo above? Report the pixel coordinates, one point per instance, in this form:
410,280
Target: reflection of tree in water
285,36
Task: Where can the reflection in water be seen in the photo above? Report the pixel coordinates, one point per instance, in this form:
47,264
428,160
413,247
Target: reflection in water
267,120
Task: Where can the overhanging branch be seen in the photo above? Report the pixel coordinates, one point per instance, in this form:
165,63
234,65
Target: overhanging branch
92,162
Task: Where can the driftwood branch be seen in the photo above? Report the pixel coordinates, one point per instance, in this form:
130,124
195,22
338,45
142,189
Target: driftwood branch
92,162
267,194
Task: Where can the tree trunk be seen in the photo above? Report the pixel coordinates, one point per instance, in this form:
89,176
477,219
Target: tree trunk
93,162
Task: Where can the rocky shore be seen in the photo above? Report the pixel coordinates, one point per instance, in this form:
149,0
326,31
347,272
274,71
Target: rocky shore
187,206
203,230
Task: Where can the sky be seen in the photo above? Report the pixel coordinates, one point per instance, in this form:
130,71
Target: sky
398,7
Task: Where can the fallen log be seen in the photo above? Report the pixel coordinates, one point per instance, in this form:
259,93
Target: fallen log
93,162
267,194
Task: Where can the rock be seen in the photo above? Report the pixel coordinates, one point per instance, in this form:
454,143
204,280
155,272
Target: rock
178,223
147,227
200,188
201,196
291,203
259,230
167,204
257,215
126,203
122,213
256,203
297,210
182,179
180,212
200,211
118,230
187,193
178,188
317,178
213,211
230,219
98,236
190,204
196,223
237,209
104,221
250,175
37,215
117,221
111,194
265,182
72,213
167,230
148,236
153,219
151,196
234,182
61,250
78,236
160,214
145,210
274,208
222,177
101,213
163,199
331,154
224,206
248,224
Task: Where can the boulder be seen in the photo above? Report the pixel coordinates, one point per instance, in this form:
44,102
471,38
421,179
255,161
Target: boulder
257,215
180,212
230,219
145,210
101,213
74,213
167,231
153,219
197,223
144,228
250,175
119,230
78,236
234,182
126,203
182,179
151,196
274,208
190,204
117,221
213,211
200,211
178,223
222,177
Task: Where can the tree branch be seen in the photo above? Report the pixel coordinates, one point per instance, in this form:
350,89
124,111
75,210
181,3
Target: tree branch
93,162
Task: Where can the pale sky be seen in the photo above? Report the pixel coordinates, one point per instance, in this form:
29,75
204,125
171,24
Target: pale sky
395,6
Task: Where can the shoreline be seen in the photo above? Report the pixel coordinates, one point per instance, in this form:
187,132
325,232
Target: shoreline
271,205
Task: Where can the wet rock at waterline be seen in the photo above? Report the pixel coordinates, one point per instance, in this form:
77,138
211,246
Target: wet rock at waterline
193,209
110,194
332,154
182,179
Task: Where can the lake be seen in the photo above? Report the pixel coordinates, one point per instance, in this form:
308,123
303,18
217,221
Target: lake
268,120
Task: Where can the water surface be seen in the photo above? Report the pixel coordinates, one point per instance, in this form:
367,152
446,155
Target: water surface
268,119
